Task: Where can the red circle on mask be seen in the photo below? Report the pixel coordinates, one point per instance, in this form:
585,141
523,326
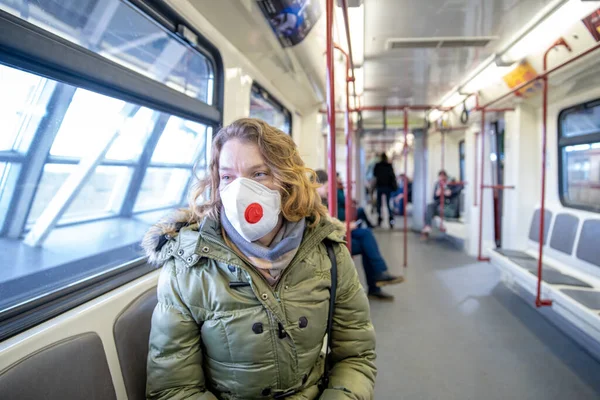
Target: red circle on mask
253,213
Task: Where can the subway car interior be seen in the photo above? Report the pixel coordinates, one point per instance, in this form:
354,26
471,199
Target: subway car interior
107,113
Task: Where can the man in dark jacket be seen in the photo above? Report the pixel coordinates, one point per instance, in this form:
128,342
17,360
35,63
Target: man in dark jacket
385,183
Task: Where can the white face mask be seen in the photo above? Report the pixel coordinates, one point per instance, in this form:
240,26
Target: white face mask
252,208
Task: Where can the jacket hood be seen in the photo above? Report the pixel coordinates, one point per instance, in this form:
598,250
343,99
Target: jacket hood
172,225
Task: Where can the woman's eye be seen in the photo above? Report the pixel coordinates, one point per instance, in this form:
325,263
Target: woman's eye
226,178
260,174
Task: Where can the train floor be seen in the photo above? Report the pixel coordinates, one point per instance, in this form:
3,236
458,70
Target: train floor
455,331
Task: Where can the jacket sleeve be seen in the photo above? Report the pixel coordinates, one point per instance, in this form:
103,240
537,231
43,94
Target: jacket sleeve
174,369
353,337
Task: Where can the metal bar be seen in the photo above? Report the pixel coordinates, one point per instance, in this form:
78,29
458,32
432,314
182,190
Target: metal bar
498,187
347,133
424,174
475,165
69,190
482,133
350,57
402,107
542,75
331,110
33,168
443,184
405,190
539,302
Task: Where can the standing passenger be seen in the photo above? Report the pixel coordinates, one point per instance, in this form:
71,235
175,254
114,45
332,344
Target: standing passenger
385,183
243,295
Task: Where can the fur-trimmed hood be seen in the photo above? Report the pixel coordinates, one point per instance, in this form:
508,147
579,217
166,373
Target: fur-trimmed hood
170,226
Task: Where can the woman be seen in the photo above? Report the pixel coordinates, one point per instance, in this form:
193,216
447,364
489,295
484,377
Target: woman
243,296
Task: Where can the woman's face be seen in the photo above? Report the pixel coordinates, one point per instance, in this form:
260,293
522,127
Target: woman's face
240,159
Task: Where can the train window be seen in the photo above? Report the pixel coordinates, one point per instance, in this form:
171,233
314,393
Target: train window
121,33
92,153
579,156
267,108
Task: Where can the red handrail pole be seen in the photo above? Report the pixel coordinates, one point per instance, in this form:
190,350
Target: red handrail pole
539,302
482,133
541,76
475,165
425,132
350,58
331,111
405,191
347,134
443,186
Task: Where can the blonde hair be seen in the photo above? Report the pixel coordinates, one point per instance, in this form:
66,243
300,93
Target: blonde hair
296,182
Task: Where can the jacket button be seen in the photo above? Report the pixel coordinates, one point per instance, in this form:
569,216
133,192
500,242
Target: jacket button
257,328
287,287
205,249
303,322
266,391
231,268
180,252
264,296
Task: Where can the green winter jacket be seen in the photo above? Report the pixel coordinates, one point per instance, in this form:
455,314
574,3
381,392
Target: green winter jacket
220,331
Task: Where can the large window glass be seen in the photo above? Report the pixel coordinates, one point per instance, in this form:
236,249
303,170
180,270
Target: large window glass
105,161
266,107
579,156
121,33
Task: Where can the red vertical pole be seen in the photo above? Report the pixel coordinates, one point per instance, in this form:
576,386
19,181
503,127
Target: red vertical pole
475,164
331,111
482,133
539,302
425,132
443,184
348,132
405,191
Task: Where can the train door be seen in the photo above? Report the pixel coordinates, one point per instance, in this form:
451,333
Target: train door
497,161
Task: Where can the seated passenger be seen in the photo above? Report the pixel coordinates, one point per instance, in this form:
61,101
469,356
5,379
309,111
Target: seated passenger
398,195
363,243
243,296
451,193
361,216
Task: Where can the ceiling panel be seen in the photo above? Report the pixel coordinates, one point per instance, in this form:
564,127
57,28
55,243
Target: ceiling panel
425,75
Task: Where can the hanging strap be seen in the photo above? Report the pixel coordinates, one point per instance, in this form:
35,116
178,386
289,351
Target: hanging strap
332,293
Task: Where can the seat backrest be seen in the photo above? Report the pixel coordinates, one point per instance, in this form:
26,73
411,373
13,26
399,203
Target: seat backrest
74,368
534,228
589,239
564,232
132,331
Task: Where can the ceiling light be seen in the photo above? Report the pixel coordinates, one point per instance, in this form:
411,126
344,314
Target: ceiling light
489,76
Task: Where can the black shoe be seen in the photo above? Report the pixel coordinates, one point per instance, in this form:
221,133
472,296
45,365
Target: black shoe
388,279
379,221
380,295
392,223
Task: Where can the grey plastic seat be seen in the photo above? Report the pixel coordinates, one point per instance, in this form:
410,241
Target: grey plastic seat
590,299
588,247
534,228
132,331
564,232
74,368
555,277
514,254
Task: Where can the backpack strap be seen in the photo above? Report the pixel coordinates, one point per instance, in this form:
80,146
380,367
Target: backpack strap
332,294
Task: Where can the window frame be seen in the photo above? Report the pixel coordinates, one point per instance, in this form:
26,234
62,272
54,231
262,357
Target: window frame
45,54
564,141
269,98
